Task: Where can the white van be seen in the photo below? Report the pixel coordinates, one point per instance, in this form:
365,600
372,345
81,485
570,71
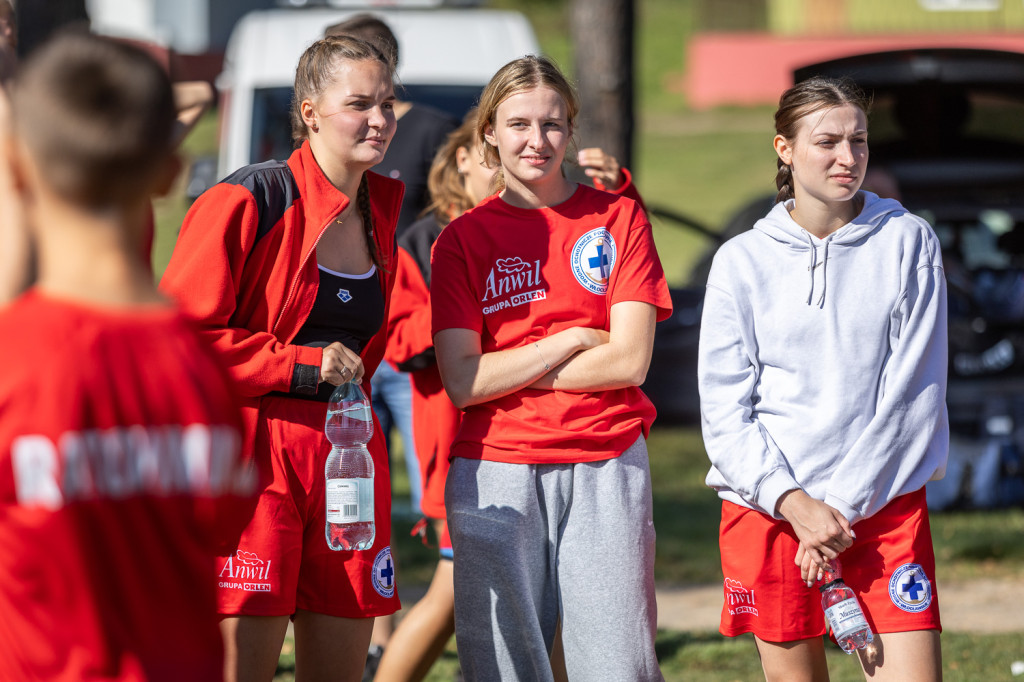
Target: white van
446,56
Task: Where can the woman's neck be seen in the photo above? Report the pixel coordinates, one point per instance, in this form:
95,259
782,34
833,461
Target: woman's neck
821,218
537,195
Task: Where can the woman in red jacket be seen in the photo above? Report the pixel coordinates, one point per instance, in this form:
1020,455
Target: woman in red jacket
289,266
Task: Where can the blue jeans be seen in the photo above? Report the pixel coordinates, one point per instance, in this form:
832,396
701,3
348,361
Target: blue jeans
392,401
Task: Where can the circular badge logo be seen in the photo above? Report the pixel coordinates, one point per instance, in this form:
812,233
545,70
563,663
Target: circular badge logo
384,573
592,260
910,589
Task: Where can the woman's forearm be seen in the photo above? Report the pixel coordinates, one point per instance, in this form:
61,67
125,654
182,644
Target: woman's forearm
620,363
471,377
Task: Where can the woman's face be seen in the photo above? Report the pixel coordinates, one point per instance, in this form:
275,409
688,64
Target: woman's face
353,119
476,175
829,154
531,132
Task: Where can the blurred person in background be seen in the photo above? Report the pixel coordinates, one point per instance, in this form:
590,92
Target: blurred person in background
289,268
121,473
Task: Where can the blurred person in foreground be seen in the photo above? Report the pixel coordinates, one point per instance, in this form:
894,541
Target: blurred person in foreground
120,468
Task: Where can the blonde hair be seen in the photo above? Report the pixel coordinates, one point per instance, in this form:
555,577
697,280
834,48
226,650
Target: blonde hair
315,73
448,196
519,75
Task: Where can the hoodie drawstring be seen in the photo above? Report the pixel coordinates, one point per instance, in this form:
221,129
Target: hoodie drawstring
824,271
824,274
810,268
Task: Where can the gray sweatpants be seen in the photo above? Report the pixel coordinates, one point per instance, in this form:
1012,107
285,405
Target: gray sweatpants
535,543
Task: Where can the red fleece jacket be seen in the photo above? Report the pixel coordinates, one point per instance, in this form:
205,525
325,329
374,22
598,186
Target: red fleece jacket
245,267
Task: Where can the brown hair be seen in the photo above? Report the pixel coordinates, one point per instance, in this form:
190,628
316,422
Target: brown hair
370,28
314,74
807,97
97,115
525,73
448,196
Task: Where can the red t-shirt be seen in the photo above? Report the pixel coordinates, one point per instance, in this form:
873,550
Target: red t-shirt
516,275
120,478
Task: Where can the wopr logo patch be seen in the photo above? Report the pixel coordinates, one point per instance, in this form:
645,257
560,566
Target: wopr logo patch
384,573
910,589
592,260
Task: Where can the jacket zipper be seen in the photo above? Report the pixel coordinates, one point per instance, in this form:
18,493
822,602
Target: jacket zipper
295,280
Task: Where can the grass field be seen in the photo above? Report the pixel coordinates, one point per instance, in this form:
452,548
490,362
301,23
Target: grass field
704,165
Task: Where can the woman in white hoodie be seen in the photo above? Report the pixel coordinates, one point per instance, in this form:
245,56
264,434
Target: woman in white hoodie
822,377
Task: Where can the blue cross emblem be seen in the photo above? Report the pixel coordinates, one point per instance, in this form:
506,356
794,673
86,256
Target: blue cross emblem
599,261
344,295
387,573
912,587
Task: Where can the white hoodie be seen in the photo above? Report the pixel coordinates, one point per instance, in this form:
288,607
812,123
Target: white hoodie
822,362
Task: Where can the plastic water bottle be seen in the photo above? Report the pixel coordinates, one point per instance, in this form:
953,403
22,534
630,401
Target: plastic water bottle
843,612
349,470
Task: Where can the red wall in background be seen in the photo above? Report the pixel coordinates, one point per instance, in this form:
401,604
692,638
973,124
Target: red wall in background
754,68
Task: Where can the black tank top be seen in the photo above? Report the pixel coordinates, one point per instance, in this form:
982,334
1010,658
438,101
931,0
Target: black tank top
348,308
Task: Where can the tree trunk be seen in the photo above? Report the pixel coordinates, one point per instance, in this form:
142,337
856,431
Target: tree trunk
602,37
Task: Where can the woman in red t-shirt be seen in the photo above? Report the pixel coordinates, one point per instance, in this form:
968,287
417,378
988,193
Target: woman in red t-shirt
544,302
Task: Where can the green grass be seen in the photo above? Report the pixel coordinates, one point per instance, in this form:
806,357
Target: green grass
709,657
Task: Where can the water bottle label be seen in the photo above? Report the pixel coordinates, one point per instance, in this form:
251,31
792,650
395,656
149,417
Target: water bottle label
343,500
845,618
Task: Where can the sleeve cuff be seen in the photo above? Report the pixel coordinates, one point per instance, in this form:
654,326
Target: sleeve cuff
851,514
306,373
772,487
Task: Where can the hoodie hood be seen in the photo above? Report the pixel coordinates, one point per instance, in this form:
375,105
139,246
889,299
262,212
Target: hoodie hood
780,226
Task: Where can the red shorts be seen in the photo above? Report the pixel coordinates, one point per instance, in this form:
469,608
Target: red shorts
890,567
283,562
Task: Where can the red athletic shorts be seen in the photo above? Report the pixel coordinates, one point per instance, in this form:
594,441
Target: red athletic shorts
890,567
283,562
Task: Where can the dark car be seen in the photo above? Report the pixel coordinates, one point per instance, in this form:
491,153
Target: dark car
948,126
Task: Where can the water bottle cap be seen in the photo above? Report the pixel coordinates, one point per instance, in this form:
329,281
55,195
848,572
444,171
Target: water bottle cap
830,584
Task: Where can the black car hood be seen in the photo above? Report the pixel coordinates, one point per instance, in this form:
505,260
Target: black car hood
993,70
